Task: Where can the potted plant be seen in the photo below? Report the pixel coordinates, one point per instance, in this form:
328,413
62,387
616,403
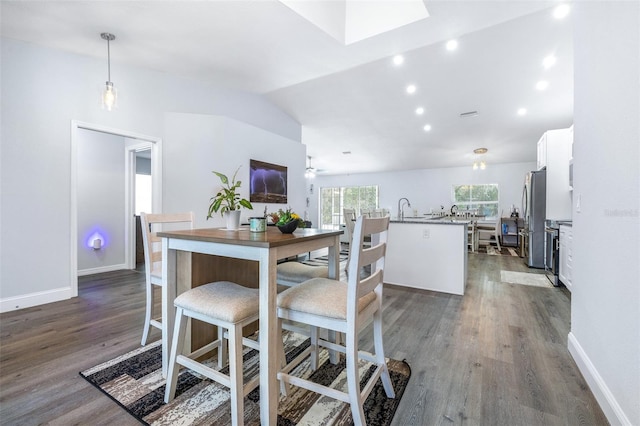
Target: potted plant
228,201
287,221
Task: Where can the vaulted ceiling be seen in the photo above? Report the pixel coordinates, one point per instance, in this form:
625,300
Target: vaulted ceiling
348,98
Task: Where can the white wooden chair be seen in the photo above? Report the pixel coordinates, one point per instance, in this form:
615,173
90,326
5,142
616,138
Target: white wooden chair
346,308
379,213
153,258
486,230
349,221
472,236
230,307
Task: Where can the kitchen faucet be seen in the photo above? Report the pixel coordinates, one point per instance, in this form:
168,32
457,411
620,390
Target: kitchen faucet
401,207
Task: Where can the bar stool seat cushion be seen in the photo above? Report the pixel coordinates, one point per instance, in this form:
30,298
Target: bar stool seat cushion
321,296
224,300
296,271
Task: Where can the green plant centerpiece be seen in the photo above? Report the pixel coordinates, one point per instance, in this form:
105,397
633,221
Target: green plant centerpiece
286,220
228,201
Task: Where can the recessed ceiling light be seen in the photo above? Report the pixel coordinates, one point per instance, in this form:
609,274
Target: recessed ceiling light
452,45
522,111
548,62
398,60
346,152
411,89
561,11
419,110
542,85
427,127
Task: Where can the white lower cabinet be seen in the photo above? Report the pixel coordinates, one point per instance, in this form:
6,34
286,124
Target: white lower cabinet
566,256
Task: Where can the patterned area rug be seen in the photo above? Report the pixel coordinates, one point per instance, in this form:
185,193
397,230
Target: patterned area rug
493,251
134,380
525,278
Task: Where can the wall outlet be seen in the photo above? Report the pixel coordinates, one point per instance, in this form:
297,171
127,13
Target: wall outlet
426,234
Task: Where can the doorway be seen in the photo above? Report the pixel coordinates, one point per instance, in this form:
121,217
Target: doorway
117,218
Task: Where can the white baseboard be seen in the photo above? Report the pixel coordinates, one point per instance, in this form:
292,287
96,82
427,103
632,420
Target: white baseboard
603,395
101,269
34,299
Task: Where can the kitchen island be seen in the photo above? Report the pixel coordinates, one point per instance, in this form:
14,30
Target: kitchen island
430,254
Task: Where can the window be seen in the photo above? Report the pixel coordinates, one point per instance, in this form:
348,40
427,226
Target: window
334,200
143,194
483,198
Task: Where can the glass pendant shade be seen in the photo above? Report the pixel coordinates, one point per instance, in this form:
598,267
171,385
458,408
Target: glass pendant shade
479,164
109,97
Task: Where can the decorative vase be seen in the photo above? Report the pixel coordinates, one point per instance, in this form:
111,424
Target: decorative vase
232,217
288,227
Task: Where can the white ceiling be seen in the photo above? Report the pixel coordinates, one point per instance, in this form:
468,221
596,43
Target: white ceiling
347,98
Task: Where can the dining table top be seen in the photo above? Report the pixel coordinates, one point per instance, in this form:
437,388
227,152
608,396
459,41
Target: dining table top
271,237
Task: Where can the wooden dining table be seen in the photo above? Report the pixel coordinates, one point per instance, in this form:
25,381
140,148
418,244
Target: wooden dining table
198,256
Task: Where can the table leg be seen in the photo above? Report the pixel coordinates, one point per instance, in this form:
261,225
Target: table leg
268,339
334,259
169,274
334,273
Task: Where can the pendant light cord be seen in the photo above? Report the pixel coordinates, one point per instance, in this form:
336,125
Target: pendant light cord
108,59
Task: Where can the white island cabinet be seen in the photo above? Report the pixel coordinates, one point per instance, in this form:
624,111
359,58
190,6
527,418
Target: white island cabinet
427,254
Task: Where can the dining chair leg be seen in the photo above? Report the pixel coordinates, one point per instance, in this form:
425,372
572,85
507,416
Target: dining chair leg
179,333
353,380
222,348
284,386
314,348
147,314
235,374
380,359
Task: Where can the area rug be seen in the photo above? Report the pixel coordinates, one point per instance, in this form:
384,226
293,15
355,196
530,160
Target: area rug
493,251
134,380
525,278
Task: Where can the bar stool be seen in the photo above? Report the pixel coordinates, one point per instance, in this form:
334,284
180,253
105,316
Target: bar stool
153,258
230,307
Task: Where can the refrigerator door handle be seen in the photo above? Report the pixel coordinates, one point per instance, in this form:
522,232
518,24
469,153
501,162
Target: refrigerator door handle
525,202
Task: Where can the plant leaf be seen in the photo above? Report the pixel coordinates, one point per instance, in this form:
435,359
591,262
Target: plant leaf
223,178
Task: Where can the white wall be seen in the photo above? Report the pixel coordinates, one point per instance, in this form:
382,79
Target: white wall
42,91
198,144
101,200
605,299
430,188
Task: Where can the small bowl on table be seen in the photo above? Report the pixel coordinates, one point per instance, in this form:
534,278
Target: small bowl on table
288,227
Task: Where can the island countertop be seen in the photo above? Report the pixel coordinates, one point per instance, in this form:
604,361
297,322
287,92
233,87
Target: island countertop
443,221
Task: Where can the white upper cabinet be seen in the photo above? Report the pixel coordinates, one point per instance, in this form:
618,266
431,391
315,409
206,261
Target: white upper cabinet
554,153
542,152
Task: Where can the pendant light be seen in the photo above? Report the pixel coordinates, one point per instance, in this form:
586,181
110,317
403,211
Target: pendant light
310,173
479,164
109,94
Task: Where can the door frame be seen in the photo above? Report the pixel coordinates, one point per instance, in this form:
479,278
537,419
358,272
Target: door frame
155,143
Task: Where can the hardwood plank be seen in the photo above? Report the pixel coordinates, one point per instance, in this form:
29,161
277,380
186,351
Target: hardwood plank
497,355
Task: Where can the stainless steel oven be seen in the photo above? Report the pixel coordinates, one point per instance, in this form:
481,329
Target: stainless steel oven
552,251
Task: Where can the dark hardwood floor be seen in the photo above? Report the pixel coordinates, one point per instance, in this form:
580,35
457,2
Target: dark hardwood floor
497,356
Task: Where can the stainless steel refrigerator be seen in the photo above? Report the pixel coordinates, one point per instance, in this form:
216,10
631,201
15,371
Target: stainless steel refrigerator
533,208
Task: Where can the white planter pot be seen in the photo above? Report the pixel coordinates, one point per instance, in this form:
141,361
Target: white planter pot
232,218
